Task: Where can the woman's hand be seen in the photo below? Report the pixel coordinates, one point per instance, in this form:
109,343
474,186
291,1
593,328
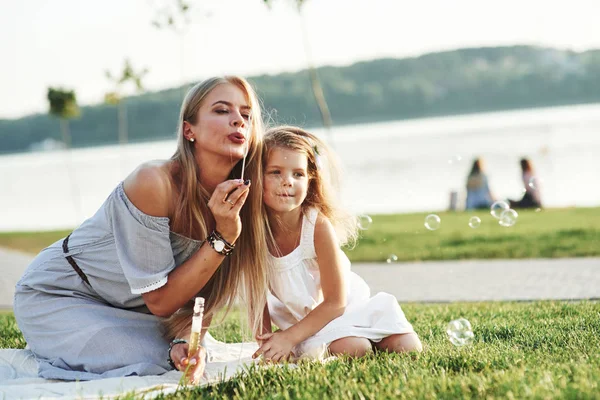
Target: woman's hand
192,367
275,346
225,204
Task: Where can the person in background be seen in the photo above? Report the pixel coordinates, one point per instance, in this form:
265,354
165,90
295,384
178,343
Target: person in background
531,198
479,194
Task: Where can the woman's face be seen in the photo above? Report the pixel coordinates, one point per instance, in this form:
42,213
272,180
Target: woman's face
221,127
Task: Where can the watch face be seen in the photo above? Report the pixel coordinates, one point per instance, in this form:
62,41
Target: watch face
219,245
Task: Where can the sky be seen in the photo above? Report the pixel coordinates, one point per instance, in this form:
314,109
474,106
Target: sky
71,43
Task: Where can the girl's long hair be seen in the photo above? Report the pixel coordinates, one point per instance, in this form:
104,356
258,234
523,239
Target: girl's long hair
324,178
244,271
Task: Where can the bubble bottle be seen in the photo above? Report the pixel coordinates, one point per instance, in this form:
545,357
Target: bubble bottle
196,326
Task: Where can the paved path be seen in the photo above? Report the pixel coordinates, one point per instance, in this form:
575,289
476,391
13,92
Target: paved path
485,280
475,280
12,265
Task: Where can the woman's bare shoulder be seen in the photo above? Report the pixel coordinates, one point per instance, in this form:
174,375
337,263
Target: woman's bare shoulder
149,188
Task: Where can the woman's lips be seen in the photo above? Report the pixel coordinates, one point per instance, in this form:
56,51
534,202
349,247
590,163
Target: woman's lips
237,138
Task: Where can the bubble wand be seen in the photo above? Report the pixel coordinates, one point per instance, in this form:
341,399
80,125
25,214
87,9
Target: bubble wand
249,132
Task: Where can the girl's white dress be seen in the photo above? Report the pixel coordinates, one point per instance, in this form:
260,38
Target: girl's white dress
295,290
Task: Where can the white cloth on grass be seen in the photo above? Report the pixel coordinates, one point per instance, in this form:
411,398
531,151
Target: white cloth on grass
19,379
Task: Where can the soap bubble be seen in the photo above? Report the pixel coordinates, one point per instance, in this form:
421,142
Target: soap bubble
498,208
432,222
454,159
364,222
460,332
391,258
508,218
534,183
474,222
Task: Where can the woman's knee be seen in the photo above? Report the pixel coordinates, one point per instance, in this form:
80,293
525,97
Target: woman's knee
401,343
352,346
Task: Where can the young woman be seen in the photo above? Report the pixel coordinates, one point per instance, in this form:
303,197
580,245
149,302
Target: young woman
531,198
92,305
479,194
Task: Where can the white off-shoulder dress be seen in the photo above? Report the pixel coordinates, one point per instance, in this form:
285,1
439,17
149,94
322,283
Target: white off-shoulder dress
295,290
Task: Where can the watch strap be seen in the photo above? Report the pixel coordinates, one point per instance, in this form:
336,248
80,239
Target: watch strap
216,236
173,343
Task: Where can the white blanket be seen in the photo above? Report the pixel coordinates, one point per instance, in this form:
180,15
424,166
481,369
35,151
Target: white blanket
18,376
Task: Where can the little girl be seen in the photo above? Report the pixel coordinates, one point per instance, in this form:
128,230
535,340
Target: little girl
319,305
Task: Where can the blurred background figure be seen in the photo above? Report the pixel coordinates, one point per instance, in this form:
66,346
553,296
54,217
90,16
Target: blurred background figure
531,198
479,194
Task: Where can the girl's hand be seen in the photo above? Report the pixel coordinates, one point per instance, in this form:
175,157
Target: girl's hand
275,346
193,367
261,338
225,204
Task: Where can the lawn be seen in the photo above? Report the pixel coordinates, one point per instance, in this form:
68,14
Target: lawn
521,350
552,233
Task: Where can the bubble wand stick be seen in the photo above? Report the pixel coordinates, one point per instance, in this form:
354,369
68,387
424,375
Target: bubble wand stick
249,132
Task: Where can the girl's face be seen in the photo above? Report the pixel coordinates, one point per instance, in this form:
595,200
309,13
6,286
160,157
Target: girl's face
285,182
221,126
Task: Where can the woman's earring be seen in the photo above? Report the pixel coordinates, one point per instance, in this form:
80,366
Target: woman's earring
192,140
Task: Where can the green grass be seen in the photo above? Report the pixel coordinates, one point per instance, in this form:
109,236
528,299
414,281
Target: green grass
10,335
30,242
521,350
553,233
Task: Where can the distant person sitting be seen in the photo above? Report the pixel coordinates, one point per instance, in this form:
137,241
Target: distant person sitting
531,197
478,190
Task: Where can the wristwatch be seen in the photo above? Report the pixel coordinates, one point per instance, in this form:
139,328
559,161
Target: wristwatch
219,244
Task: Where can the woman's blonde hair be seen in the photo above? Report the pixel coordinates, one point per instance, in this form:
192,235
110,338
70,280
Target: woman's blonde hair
324,177
243,272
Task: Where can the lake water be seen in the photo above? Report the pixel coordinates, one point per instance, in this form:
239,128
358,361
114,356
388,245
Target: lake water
400,166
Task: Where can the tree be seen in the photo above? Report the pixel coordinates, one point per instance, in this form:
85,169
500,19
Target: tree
173,15
317,88
299,3
176,15
63,105
128,75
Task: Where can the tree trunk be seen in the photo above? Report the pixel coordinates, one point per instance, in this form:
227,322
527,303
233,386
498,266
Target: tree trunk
320,99
122,111
317,89
123,134
184,84
66,134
